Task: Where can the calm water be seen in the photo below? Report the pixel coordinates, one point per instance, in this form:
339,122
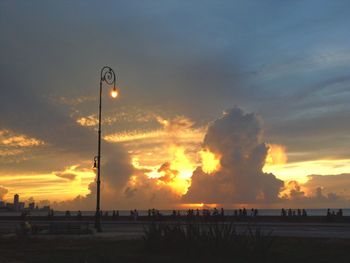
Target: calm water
262,212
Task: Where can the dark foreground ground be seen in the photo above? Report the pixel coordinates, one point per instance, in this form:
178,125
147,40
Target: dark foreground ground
97,250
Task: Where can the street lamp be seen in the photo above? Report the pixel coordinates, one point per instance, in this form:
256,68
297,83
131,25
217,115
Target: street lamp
107,76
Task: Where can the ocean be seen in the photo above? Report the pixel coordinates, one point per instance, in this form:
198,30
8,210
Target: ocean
262,212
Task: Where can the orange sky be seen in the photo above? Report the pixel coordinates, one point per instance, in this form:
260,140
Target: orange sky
175,143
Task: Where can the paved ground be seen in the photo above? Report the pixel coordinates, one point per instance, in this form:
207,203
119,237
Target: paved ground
132,230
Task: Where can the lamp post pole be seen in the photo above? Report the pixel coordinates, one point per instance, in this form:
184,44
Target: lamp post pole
107,76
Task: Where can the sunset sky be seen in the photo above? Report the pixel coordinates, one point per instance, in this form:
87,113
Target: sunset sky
233,103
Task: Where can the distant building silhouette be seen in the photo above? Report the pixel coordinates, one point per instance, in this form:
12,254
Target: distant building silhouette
16,202
18,206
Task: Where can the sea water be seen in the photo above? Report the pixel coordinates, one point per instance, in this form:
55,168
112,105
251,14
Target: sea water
262,212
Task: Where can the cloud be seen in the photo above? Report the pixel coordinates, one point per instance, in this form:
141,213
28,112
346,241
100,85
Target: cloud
90,120
10,139
339,183
21,141
236,141
168,174
293,191
3,192
176,124
237,138
149,186
74,101
139,192
67,176
17,147
67,142
320,191
203,80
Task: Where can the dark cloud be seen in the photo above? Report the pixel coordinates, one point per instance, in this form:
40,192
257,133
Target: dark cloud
287,62
117,169
236,137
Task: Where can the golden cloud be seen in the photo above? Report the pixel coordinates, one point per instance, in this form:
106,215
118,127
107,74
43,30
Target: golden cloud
88,121
10,139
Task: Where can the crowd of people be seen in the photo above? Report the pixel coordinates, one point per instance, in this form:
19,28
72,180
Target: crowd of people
217,213
298,212
339,213
205,213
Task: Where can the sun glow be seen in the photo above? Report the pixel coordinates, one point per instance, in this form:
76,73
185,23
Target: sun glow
177,174
198,206
210,161
276,155
181,162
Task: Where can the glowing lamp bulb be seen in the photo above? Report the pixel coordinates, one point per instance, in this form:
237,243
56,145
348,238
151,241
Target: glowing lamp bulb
114,93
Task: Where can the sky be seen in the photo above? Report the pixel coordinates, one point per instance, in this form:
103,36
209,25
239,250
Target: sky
234,103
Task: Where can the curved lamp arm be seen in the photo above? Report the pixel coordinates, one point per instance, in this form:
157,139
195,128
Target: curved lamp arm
108,76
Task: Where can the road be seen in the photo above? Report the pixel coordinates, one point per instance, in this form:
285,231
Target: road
131,230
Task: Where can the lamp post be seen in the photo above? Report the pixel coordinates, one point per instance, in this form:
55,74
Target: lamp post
108,77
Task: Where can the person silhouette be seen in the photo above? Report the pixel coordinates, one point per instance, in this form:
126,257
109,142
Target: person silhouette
283,212
79,215
340,212
304,214
135,214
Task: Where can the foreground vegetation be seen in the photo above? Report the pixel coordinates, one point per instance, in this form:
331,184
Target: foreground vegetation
67,251
214,239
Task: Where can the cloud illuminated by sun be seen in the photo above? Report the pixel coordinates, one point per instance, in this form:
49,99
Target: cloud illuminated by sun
276,155
210,161
176,173
49,185
90,120
11,139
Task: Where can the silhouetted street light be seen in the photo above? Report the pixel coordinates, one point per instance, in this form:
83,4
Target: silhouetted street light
107,76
